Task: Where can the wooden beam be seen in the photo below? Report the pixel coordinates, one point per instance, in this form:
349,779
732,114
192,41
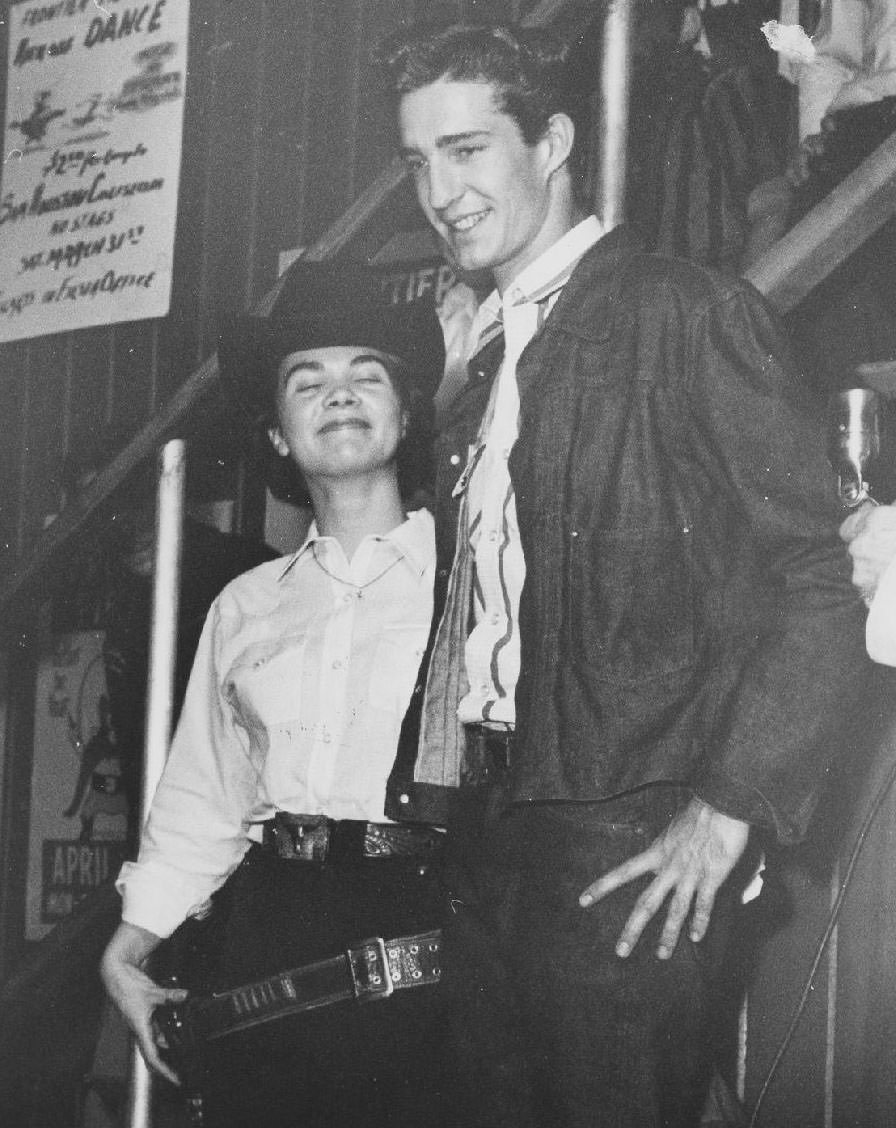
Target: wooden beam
828,235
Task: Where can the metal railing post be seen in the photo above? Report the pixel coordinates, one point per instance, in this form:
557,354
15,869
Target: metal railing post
160,690
616,72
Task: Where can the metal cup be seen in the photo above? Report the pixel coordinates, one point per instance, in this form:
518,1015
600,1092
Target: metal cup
854,432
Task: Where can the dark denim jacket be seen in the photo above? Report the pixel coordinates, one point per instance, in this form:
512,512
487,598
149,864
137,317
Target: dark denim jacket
687,614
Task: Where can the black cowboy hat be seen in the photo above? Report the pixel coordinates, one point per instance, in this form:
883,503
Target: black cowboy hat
329,304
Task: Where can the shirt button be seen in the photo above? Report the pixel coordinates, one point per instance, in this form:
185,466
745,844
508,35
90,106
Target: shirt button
496,618
326,738
484,688
337,663
348,597
493,535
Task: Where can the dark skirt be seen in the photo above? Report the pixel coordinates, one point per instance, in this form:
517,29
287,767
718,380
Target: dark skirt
372,1065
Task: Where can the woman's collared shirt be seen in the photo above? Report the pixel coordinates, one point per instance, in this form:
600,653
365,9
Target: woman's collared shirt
296,698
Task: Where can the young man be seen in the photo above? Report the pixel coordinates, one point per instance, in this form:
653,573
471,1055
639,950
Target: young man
648,624
288,733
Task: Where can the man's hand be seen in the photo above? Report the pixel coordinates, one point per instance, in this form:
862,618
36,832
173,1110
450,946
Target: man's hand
134,993
691,860
870,533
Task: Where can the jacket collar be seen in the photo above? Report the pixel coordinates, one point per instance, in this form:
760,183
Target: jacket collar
599,275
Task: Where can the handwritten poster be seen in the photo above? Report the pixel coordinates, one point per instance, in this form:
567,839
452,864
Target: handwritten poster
91,162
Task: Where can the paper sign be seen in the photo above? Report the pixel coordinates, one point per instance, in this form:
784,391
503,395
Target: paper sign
91,163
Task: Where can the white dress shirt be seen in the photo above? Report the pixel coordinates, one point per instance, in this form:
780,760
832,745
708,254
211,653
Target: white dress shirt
298,690
493,648
880,630
855,60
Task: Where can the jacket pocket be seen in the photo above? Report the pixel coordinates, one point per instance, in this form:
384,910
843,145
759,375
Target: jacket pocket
632,603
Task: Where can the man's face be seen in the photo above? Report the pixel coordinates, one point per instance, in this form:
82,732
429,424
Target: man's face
484,190
338,412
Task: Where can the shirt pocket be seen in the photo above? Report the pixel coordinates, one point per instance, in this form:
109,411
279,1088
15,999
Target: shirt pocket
632,604
399,651
265,685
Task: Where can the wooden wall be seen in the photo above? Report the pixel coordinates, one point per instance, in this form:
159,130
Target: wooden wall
282,131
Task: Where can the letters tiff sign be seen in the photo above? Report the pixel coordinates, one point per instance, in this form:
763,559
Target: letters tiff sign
88,192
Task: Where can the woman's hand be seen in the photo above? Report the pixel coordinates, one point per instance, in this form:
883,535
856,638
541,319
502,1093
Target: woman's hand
134,993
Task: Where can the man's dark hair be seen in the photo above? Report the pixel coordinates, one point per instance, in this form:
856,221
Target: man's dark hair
525,67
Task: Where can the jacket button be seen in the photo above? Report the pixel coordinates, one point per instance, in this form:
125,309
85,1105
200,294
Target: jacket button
404,799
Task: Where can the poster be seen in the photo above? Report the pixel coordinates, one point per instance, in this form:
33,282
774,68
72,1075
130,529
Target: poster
92,150
79,810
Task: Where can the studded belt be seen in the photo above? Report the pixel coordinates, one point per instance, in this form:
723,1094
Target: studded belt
368,971
315,838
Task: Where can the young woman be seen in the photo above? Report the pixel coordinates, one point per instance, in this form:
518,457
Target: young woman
276,780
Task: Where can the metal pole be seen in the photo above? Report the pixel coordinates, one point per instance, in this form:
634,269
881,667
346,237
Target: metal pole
162,650
614,111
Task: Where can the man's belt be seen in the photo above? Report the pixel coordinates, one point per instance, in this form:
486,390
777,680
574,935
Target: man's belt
488,753
371,970
313,838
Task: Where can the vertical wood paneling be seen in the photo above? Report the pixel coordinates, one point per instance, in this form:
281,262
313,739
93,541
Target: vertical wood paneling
288,102
181,330
13,406
132,376
90,351
45,438
255,91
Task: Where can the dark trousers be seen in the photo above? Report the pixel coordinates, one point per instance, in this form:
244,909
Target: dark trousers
551,1028
375,1065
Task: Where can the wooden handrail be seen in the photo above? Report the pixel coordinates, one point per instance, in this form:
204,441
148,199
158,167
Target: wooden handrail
856,208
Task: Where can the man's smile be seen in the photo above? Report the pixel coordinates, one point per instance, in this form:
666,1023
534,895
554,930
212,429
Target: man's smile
465,222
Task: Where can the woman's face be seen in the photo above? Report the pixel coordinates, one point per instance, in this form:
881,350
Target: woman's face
338,412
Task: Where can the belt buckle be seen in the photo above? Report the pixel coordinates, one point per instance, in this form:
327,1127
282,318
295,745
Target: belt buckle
369,967
301,841
487,755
